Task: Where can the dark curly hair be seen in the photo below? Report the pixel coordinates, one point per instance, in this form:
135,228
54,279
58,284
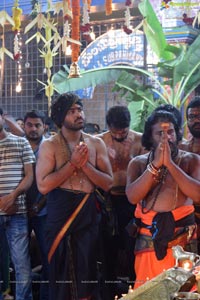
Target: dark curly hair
61,106
175,111
155,117
118,117
34,114
195,102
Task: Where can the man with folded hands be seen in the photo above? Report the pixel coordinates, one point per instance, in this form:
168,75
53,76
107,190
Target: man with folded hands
164,184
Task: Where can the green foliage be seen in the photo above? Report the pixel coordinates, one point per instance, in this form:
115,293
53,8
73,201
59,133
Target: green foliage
178,71
154,32
88,78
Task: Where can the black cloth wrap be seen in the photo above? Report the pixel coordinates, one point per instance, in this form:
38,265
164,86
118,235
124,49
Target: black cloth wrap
80,239
61,106
162,230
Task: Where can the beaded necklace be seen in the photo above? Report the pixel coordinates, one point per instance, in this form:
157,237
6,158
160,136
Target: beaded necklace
162,177
68,153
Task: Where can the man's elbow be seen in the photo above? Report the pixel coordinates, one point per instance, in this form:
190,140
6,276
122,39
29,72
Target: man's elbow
130,196
108,184
43,188
196,198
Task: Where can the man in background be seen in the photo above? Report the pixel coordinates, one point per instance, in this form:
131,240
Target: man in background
20,122
193,145
16,176
122,145
34,128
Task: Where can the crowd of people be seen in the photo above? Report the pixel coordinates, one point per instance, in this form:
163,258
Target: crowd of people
105,208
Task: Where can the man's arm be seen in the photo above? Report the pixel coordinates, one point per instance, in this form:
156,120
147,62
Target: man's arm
7,200
101,174
13,126
189,184
139,182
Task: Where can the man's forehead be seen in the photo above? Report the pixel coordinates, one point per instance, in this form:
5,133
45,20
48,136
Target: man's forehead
159,124
74,106
33,120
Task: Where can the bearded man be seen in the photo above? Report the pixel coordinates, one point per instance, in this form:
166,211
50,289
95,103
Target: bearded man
122,144
70,165
193,145
164,184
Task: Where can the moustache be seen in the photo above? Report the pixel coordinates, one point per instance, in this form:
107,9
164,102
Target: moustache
196,124
79,119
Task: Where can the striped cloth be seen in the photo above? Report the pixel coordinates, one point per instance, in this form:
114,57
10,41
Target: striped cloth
15,152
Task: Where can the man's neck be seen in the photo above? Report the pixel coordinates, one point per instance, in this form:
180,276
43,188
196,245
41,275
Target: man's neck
34,143
71,135
195,145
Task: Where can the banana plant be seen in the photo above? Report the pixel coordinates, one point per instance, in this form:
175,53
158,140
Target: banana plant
178,73
178,70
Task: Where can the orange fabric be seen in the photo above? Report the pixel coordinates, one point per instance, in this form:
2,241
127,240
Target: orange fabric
178,213
147,266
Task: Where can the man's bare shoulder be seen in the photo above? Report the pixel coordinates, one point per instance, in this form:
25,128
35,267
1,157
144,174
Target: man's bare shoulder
51,142
189,161
140,159
104,135
188,156
185,145
93,139
135,133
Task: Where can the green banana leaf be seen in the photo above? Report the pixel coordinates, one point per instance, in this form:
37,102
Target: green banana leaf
189,62
139,112
154,32
166,68
135,90
89,78
181,67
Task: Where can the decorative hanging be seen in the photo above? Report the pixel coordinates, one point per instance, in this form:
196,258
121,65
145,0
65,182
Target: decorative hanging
5,18
67,16
47,54
85,26
75,29
41,21
74,69
108,4
17,13
127,25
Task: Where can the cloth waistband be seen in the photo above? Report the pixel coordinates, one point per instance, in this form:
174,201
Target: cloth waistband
182,237
117,190
73,191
